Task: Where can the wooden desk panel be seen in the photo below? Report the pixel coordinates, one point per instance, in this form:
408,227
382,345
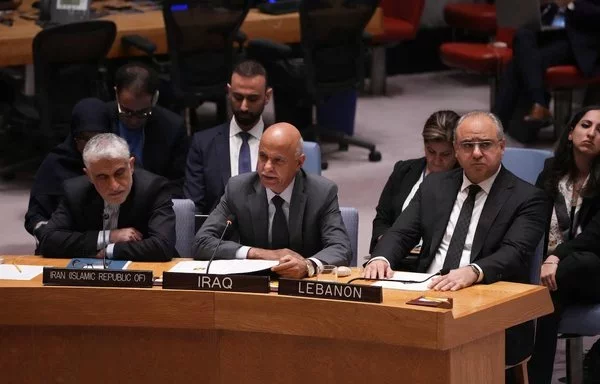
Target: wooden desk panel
16,41
94,335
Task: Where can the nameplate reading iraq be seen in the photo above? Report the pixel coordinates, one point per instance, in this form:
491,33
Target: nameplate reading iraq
97,278
329,290
204,282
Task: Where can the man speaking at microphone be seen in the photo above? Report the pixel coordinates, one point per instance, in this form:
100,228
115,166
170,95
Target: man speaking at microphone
112,211
481,222
281,213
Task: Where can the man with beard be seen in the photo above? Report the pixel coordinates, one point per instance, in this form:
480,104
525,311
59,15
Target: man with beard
157,137
229,149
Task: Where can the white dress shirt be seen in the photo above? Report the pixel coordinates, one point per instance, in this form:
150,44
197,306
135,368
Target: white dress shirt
440,255
235,142
414,189
286,195
480,198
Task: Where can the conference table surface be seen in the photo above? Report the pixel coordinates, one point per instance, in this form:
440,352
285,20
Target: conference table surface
16,41
68,334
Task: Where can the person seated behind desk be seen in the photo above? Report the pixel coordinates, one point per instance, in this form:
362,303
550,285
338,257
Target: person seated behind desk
481,222
438,134
135,209
281,213
90,117
572,267
229,149
157,137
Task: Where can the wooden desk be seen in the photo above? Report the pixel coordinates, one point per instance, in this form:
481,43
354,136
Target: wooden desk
102,335
15,41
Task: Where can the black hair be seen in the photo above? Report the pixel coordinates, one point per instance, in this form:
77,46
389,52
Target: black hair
137,78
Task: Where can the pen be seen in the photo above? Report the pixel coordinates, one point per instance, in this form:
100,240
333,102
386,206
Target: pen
436,299
18,269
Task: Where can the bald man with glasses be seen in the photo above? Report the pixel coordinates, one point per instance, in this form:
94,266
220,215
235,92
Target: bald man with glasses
480,222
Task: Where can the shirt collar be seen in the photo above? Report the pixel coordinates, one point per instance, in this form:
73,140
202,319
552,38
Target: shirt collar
255,132
486,185
286,195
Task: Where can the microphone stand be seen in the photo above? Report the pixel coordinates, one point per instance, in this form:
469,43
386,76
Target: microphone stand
212,257
104,245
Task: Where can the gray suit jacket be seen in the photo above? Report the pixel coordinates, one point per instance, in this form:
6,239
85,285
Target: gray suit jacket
315,222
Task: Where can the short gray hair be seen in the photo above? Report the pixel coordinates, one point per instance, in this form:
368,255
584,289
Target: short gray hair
299,148
495,120
105,146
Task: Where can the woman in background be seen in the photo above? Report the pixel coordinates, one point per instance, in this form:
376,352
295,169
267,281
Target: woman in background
572,266
438,136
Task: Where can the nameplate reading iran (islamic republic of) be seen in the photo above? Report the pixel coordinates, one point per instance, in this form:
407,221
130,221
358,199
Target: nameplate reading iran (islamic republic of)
97,278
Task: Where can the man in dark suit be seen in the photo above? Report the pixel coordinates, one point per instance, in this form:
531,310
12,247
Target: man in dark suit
480,222
232,148
157,137
112,210
281,213
577,44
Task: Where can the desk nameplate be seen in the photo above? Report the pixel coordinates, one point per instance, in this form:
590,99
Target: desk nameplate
97,278
210,282
330,290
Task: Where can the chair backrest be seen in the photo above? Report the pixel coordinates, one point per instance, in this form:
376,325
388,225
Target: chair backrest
184,226
66,61
312,163
200,36
535,267
407,10
331,34
526,163
350,218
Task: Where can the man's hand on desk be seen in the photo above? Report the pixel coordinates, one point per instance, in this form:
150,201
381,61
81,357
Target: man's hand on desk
100,254
125,234
291,266
456,279
378,269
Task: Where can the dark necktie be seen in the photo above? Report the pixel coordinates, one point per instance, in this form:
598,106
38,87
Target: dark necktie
280,236
457,243
244,159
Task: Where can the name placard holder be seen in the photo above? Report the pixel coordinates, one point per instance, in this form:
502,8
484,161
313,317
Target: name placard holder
97,278
210,282
330,290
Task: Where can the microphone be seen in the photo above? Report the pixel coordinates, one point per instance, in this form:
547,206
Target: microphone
441,272
230,220
104,221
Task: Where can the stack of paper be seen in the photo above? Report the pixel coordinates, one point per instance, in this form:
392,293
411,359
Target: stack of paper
406,286
224,267
19,272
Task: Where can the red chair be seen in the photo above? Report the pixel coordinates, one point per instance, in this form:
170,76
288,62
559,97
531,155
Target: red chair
487,59
561,80
473,17
400,23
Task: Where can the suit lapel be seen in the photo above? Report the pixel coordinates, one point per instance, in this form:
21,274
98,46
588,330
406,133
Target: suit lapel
296,218
412,175
259,214
449,191
494,202
222,147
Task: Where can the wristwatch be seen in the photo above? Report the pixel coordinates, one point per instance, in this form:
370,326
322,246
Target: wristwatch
310,268
476,270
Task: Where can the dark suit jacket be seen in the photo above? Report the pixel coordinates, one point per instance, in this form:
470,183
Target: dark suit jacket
510,227
73,228
165,145
589,219
406,173
583,31
315,222
208,167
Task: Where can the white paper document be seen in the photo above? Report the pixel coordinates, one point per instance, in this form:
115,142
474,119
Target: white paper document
224,267
406,286
19,272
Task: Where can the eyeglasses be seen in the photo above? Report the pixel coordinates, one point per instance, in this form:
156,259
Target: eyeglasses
484,146
141,114
84,265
